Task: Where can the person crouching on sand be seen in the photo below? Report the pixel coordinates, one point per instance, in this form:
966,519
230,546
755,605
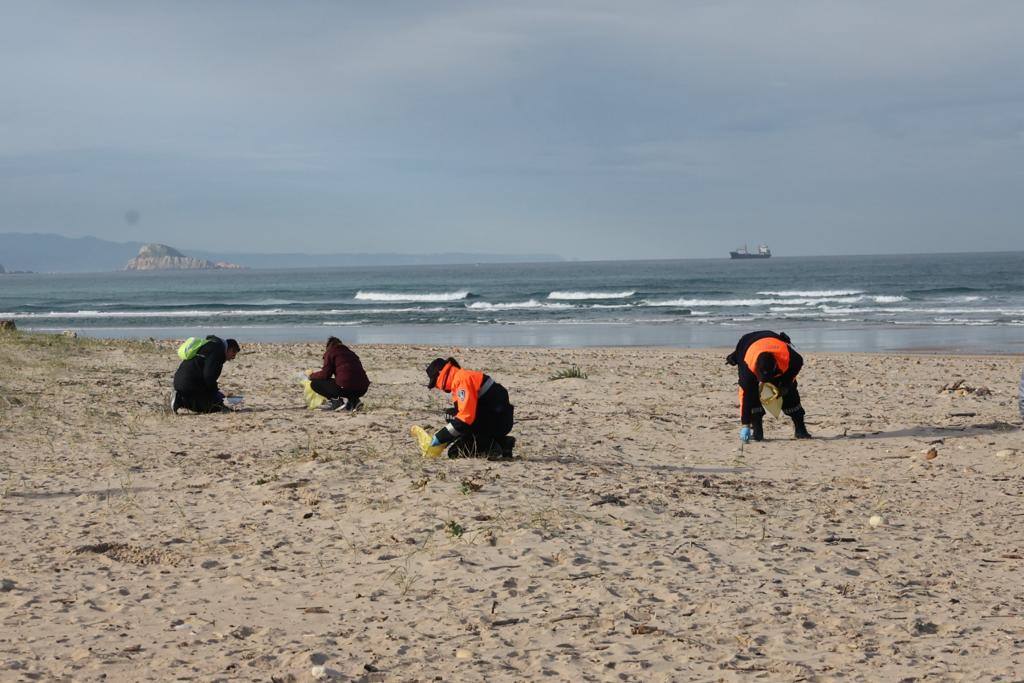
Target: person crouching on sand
342,380
1020,397
482,417
767,357
195,380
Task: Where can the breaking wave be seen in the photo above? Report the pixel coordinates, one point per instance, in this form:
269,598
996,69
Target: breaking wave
583,296
817,293
518,305
432,297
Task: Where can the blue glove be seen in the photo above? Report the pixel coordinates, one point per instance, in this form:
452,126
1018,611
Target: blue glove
745,434
434,441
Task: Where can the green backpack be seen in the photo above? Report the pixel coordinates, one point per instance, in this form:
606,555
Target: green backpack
190,347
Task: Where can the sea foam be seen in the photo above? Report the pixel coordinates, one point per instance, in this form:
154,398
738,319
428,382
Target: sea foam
582,296
815,292
413,296
532,303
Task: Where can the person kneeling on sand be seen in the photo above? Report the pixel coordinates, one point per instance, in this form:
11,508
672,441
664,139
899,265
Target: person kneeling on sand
195,381
479,422
767,357
342,380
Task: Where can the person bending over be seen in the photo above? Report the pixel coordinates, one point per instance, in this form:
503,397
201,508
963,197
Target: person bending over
195,381
482,417
342,380
767,357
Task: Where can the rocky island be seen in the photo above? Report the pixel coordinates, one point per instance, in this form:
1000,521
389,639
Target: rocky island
163,257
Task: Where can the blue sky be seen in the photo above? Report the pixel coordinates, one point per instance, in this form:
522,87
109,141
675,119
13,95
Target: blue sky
587,129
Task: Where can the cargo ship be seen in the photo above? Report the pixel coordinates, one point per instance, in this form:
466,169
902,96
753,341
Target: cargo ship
762,252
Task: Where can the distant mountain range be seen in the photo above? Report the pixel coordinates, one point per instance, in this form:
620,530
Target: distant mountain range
50,253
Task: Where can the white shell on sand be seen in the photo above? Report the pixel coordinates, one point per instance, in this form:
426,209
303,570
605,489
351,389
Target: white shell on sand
463,654
1006,453
876,520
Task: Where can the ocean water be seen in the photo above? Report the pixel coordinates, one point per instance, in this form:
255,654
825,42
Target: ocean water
958,302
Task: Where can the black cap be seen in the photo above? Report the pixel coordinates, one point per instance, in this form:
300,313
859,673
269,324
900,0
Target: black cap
433,370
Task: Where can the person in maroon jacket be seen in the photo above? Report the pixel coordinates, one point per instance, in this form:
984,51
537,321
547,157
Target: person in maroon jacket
342,380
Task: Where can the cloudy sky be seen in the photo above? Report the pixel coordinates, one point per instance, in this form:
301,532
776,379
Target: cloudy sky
597,129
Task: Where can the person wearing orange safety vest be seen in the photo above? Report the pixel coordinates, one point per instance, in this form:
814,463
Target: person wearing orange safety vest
766,356
479,422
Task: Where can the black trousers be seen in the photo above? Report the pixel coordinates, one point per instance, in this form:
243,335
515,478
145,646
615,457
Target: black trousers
488,428
200,402
328,389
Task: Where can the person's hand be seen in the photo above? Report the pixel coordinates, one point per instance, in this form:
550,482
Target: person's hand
731,359
745,434
220,397
450,413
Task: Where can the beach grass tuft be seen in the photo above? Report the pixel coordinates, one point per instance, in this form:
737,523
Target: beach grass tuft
571,372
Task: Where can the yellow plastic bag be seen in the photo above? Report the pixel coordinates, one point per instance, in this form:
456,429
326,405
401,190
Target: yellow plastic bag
423,440
313,399
770,398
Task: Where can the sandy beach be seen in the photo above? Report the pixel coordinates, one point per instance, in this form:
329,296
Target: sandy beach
631,540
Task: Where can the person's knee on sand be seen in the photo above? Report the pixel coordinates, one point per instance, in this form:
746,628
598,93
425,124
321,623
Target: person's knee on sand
196,379
482,415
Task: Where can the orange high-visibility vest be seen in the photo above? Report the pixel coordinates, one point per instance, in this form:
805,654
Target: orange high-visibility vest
464,386
776,347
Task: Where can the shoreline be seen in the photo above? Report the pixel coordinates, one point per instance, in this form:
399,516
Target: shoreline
811,338
172,342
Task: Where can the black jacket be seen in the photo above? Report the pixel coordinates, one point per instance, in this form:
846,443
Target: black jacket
199,375
749,382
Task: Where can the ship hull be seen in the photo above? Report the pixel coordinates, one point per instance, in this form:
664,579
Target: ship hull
741,255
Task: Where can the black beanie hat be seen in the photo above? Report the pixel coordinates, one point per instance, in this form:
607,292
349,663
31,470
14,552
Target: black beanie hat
433,370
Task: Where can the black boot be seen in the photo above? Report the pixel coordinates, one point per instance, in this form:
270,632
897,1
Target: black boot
799,428
757,428
503,446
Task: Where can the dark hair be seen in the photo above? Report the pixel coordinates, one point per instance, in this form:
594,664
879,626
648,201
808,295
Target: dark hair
766,366
232,344
333,341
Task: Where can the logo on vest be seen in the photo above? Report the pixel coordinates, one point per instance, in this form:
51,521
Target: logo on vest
461,393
